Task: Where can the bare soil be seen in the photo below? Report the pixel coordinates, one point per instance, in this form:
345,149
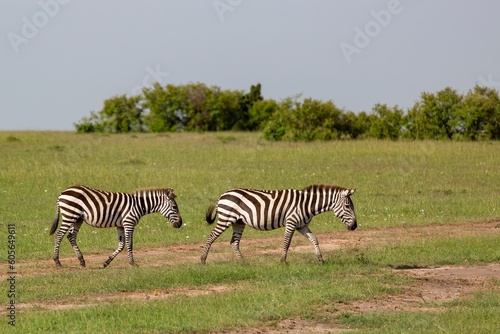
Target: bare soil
428,285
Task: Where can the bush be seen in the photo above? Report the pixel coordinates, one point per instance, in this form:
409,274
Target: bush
306,121
388,123
445,114
479,115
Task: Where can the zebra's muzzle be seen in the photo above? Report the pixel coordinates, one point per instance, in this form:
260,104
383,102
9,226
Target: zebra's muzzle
177,223
352,226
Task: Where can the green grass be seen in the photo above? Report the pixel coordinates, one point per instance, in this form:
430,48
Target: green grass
400,184
435,252
260,291
351,261
480,313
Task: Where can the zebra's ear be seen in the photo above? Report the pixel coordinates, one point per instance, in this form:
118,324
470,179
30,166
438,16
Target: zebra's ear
170,193
348,192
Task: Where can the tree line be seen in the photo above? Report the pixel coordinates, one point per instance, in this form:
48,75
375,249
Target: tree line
446,114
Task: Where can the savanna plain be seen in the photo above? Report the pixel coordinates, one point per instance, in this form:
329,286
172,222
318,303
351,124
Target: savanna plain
424,259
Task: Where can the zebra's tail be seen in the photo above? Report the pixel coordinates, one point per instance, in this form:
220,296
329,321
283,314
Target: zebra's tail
55,222
211,213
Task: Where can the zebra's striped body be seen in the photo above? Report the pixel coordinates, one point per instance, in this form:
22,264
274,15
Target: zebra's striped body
107,209
271,209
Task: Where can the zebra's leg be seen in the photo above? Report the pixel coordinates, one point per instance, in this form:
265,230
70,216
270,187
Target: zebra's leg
129,241
121,245
235,240
289,230
73,232
306,232
211,238
59,237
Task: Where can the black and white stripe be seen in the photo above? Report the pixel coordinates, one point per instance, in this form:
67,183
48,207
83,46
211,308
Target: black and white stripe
108,209
272,209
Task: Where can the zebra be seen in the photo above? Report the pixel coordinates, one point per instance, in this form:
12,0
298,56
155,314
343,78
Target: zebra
100,208
271,209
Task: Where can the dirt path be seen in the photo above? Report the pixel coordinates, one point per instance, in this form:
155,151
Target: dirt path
428,284
173,255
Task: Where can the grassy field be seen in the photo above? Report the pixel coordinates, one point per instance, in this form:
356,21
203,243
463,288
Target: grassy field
400,185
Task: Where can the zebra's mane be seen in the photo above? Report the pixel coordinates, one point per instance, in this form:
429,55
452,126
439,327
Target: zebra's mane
323,187
157,191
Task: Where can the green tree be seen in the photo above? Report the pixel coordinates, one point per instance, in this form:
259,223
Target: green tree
260,113
307,120
89,124
315,119
119,114
246,102
226,110
388,123
279,125
122,114
445,114
434,116
352,126
199,100
165,106
197,107
479,115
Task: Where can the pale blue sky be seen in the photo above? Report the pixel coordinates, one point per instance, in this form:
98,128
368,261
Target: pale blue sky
62,58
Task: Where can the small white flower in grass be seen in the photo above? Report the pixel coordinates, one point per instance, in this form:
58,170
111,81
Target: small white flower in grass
187,236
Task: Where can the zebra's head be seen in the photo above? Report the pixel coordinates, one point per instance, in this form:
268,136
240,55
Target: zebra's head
344,209
169,208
